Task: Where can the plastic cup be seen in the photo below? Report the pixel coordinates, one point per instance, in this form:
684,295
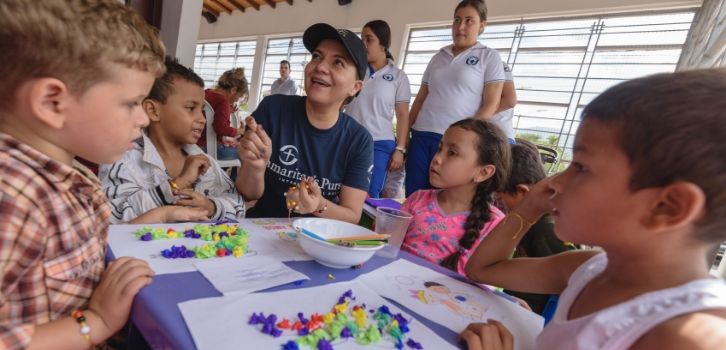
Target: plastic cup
392,222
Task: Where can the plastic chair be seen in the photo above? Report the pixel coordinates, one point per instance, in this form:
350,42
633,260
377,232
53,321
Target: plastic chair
212,139
548,155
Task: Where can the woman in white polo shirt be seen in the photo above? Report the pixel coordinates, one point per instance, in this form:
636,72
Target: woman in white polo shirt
463,80
385,90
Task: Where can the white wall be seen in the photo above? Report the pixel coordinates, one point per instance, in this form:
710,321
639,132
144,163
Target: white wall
180,28
400,14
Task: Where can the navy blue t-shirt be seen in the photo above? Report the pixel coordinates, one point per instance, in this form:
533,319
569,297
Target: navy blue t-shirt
339,156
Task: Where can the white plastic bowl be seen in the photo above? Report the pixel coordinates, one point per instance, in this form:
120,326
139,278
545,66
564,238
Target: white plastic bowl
329,254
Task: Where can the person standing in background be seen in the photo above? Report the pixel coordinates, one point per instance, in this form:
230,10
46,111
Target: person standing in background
463,80
505,112
284,85
231,87
385,90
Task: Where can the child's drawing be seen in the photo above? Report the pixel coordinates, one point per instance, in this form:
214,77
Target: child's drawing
452,303
462,304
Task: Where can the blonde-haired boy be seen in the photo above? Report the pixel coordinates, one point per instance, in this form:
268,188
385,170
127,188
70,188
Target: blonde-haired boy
74,74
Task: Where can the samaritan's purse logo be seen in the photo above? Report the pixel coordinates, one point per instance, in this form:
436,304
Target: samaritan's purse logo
388,77
472,60
288,155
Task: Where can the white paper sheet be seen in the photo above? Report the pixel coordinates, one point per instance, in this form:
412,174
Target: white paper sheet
269,243
247,275
221,323
451,303
278,236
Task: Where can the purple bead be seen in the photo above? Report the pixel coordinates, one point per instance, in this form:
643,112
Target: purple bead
345,333
303,331
302,318
402,322
290,345
256,319
276,332
223,234
190,254
324,345
166,253
413,344
399,344
146,236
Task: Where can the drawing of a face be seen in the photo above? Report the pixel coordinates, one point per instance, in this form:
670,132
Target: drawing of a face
437,287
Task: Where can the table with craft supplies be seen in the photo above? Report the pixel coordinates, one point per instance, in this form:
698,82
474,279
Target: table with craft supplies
223,300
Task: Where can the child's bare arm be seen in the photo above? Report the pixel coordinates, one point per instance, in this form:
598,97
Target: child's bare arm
107,312
64,334
491,261
171,213
696,331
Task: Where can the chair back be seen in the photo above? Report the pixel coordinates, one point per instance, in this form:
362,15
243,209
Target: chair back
212,138
210,134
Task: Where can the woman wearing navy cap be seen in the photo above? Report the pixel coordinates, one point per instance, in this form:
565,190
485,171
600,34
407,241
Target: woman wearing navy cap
300,154
463,80
386,90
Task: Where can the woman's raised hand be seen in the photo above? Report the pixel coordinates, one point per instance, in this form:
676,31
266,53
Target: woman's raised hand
255,146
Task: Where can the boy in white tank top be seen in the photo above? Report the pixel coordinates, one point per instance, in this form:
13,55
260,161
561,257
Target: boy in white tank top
647,183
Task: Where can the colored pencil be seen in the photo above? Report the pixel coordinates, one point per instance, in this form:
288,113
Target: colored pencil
373,237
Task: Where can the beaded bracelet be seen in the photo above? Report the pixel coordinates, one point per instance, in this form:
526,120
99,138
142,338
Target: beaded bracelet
173,185
325,207
522,223
85,328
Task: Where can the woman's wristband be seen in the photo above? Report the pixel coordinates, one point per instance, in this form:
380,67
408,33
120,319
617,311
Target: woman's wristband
323,209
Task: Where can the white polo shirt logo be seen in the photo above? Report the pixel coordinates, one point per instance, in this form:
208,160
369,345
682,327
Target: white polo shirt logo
288,155
472,60
387,77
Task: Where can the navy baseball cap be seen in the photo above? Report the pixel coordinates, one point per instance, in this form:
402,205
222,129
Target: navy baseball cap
352,43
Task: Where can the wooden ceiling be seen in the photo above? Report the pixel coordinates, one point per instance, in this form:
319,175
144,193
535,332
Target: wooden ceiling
217,7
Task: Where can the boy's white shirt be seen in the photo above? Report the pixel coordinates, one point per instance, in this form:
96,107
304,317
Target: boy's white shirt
139,182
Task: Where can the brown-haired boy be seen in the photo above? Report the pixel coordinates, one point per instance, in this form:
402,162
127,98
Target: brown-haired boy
646,184
540,240
74,75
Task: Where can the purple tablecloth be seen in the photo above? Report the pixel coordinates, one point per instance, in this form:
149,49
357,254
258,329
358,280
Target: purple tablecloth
156,315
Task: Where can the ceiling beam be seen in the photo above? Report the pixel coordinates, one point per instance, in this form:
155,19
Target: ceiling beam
271,3
211,10
220,4
237,5
253,4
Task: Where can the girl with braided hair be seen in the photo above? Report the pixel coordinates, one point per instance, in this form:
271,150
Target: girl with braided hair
448,223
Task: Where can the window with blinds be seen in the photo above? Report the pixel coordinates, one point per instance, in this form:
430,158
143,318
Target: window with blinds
290,49
561,65
213,59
